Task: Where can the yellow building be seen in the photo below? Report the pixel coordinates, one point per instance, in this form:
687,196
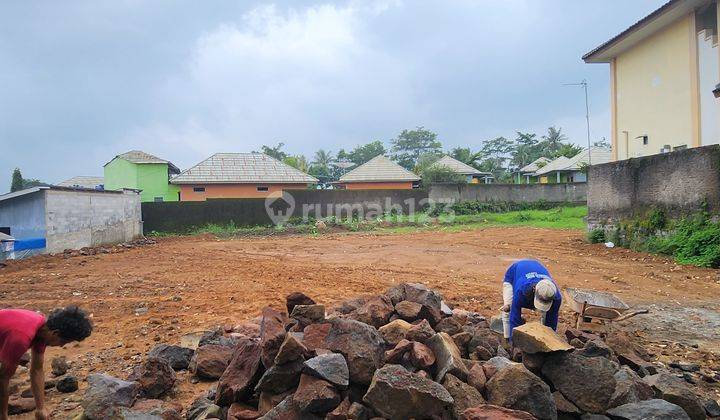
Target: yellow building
663,70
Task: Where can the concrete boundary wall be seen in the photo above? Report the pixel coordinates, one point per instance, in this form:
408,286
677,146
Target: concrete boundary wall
678,183
511,193
76,219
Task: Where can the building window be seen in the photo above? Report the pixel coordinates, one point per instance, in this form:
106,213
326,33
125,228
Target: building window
198,189
158,199
262,188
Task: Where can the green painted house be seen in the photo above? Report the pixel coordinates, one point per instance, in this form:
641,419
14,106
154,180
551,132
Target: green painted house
143,171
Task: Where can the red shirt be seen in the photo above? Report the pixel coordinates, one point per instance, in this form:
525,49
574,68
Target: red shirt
18,328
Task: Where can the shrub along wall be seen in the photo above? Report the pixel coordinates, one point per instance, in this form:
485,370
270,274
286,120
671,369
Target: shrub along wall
666,204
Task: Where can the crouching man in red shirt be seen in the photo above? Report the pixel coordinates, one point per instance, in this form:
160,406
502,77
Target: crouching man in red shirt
21,330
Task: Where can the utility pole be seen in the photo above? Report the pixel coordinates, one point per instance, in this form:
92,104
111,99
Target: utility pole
584,85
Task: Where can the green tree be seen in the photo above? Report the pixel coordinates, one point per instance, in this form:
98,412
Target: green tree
441,174
552,141
274,152
410,144
425,161
363,153
568,150
298,162
17,181
466,156
321,166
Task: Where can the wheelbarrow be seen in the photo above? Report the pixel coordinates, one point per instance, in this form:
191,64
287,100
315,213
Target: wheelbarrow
595,310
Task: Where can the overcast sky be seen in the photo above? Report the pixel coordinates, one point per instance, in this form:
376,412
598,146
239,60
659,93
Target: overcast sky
82,81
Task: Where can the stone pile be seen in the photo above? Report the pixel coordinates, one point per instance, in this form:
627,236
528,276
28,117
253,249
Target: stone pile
401,355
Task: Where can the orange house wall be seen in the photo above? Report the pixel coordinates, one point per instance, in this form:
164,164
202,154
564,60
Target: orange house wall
378,185
233,191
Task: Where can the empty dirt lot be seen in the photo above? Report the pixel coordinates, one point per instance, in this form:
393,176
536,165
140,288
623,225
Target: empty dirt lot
156,293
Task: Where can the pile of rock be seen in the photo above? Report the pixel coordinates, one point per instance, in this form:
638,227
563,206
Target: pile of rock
401,355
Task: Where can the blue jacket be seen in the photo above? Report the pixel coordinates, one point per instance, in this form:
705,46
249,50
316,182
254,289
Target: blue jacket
524,275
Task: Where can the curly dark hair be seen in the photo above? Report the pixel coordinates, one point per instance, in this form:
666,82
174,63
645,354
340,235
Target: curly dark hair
71,323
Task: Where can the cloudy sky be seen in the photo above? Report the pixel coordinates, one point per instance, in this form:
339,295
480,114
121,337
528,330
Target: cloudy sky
82,81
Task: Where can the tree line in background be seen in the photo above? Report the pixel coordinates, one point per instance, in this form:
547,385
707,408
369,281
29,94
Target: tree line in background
418,149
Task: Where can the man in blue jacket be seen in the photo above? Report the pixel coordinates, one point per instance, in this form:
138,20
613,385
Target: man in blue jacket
528,284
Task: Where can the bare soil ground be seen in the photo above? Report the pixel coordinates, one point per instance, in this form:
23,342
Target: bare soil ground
195,283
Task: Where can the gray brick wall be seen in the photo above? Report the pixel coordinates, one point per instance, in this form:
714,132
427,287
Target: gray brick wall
513,193
679,183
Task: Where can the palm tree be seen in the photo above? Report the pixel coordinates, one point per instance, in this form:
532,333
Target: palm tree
466,156
323,159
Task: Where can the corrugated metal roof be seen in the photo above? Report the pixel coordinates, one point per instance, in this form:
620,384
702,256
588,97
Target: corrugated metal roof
379,169
82,182
457,166
20,193
6,237
597,156
140,157
242,168
534,165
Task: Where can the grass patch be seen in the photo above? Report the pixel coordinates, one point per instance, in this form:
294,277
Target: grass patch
570,217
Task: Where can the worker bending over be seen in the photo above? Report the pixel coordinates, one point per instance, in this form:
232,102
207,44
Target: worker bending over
528,284
22,330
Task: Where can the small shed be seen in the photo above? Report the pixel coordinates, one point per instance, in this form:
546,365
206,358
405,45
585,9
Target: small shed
53,219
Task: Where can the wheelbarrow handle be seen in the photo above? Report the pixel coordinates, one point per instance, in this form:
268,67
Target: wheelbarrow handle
630,315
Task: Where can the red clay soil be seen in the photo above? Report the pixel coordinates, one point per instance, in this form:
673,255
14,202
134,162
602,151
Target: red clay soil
196,283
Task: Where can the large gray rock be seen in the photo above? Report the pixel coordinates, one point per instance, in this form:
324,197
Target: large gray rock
308,314
674,390
430,301
178,357
202,408
281,378
588,382
630,388
291,349
516,387
331,367
396,393
360,344
105,395
238,380
648,410
447,356
464,395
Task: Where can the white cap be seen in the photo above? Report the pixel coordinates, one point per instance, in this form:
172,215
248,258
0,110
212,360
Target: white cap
544,295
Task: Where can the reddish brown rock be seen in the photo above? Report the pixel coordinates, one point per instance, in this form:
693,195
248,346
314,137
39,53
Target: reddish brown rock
464,396
164,409
20,405
494,412
297,298
242,412
243,372
375,312
450,325
516,387
156,377
476,377
272,334
314,336
395,355
428,299
269,400
409,311
421,356
291,349
308,314
421,332
210,361
340,412
315,395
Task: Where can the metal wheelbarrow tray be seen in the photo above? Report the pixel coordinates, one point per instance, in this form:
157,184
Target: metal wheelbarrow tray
594,309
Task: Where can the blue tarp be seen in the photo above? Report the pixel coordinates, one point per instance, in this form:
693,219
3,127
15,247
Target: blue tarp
32,243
